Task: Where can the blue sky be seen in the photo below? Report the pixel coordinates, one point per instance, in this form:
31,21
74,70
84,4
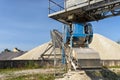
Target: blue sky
25,24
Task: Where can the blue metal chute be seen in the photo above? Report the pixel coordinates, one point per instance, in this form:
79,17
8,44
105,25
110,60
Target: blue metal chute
78,30
78,34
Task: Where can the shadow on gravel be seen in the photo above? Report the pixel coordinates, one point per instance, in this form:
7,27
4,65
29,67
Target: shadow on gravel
103,74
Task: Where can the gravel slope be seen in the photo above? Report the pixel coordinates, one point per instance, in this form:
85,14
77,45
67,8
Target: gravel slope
108,49
10,55
35,53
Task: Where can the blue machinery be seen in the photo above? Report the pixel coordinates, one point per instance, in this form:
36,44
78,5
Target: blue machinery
74,44
78,36
77,32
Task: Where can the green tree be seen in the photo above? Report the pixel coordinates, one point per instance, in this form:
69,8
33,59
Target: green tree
118,42
7,50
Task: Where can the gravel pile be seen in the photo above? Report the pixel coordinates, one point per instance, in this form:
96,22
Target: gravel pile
35,53
107,49
10,55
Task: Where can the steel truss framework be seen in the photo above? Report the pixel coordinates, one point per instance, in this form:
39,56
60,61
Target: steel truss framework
91,12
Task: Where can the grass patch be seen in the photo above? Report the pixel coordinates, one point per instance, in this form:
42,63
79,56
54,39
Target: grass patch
114,67
34,77
8,70
111,67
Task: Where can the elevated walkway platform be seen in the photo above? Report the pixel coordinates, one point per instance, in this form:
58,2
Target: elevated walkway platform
84,12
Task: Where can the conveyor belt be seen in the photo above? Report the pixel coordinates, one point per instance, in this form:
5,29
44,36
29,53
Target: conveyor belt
56,38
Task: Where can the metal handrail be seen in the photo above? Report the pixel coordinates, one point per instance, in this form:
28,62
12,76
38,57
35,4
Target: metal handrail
55,4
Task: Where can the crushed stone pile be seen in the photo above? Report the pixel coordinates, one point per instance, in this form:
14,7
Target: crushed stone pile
10,55
35,53
107,49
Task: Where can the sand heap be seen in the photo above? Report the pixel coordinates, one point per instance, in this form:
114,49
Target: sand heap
35,53
108,49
